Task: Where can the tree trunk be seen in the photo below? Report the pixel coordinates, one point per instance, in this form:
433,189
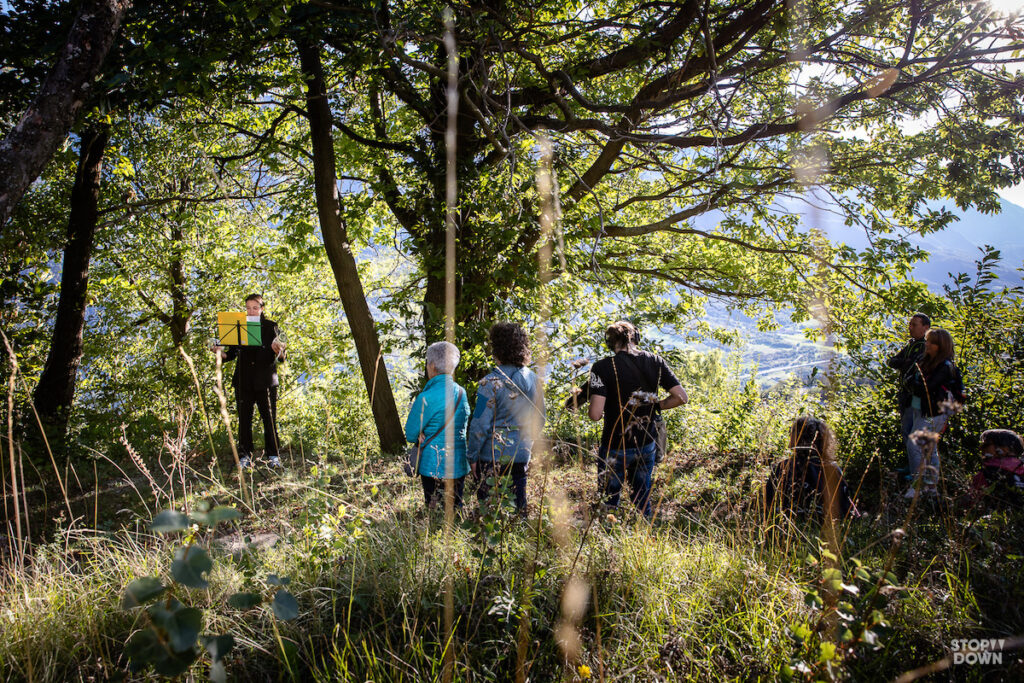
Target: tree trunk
25,151
56,388
181,314
339,253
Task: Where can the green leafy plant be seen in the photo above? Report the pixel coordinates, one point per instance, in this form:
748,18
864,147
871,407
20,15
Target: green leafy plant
171,640
850,605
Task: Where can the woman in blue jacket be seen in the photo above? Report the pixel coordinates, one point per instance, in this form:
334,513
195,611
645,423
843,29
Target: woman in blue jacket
509,415
439,413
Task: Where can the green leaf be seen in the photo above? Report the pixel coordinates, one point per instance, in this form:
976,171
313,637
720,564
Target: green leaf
827,652
800,632
832,578
218,646
176,663
182,624
144,648
221,513
189,565
285,605
244,600
169,521
218,674
141,591
275,580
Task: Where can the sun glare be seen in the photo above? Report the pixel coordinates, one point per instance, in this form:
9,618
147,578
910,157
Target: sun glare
1007,6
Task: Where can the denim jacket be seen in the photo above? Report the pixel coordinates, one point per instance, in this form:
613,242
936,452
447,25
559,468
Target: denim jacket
507,400
427,414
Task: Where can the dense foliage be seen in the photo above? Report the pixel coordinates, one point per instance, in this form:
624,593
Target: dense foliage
323,155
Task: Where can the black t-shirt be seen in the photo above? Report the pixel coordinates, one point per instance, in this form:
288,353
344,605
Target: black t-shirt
628,419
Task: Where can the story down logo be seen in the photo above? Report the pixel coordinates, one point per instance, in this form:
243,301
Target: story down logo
975,651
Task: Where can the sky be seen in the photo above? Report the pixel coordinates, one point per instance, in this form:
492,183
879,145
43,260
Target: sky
1014,195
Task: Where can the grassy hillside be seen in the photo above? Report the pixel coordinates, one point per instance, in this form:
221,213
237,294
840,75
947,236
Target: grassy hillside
709,591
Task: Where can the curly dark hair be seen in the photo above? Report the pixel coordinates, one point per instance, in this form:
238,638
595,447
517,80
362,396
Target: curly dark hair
510,344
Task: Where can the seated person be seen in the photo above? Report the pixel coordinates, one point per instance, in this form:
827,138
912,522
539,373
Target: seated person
1002,468
798,483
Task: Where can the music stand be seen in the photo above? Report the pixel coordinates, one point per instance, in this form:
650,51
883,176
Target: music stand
239,329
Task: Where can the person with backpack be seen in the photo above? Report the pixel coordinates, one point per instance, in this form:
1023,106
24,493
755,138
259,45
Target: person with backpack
1001,479
937,390
508,417
800,483
438,414
624,393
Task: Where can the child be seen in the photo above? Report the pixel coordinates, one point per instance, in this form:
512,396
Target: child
1002,468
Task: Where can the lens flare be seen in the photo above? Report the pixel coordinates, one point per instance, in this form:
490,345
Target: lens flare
1007,7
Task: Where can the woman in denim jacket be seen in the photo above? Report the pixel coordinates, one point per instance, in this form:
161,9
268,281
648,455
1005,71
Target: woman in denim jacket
430,413
509,415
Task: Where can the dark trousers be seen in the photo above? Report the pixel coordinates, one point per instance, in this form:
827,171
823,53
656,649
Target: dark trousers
266,402
635,465
503,474
907,417
435,487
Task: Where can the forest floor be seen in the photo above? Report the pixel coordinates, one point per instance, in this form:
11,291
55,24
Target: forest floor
709,591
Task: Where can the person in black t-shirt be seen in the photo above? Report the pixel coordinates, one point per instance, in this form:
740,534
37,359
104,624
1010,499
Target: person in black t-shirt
624,393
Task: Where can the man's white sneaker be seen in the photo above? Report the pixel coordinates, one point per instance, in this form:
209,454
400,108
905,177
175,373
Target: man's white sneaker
245,462
274,461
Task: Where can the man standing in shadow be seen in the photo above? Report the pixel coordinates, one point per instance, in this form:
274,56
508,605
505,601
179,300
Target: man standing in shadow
903,362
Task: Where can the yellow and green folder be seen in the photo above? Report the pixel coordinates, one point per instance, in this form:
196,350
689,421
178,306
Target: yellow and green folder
239,329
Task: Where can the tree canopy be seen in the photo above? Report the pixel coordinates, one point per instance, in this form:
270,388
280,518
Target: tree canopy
696,145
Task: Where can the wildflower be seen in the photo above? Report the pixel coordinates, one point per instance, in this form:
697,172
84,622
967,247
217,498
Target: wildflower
584,671
640,398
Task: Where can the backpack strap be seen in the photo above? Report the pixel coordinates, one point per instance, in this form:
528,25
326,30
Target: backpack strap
455,408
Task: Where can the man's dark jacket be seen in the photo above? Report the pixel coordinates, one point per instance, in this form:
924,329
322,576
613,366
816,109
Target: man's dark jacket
903,362
256,369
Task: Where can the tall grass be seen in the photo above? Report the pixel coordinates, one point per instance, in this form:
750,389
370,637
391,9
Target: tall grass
698,595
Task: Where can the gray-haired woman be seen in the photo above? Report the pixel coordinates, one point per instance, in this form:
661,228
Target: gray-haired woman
440,412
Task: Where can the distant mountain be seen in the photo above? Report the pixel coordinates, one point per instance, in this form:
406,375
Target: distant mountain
954,250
